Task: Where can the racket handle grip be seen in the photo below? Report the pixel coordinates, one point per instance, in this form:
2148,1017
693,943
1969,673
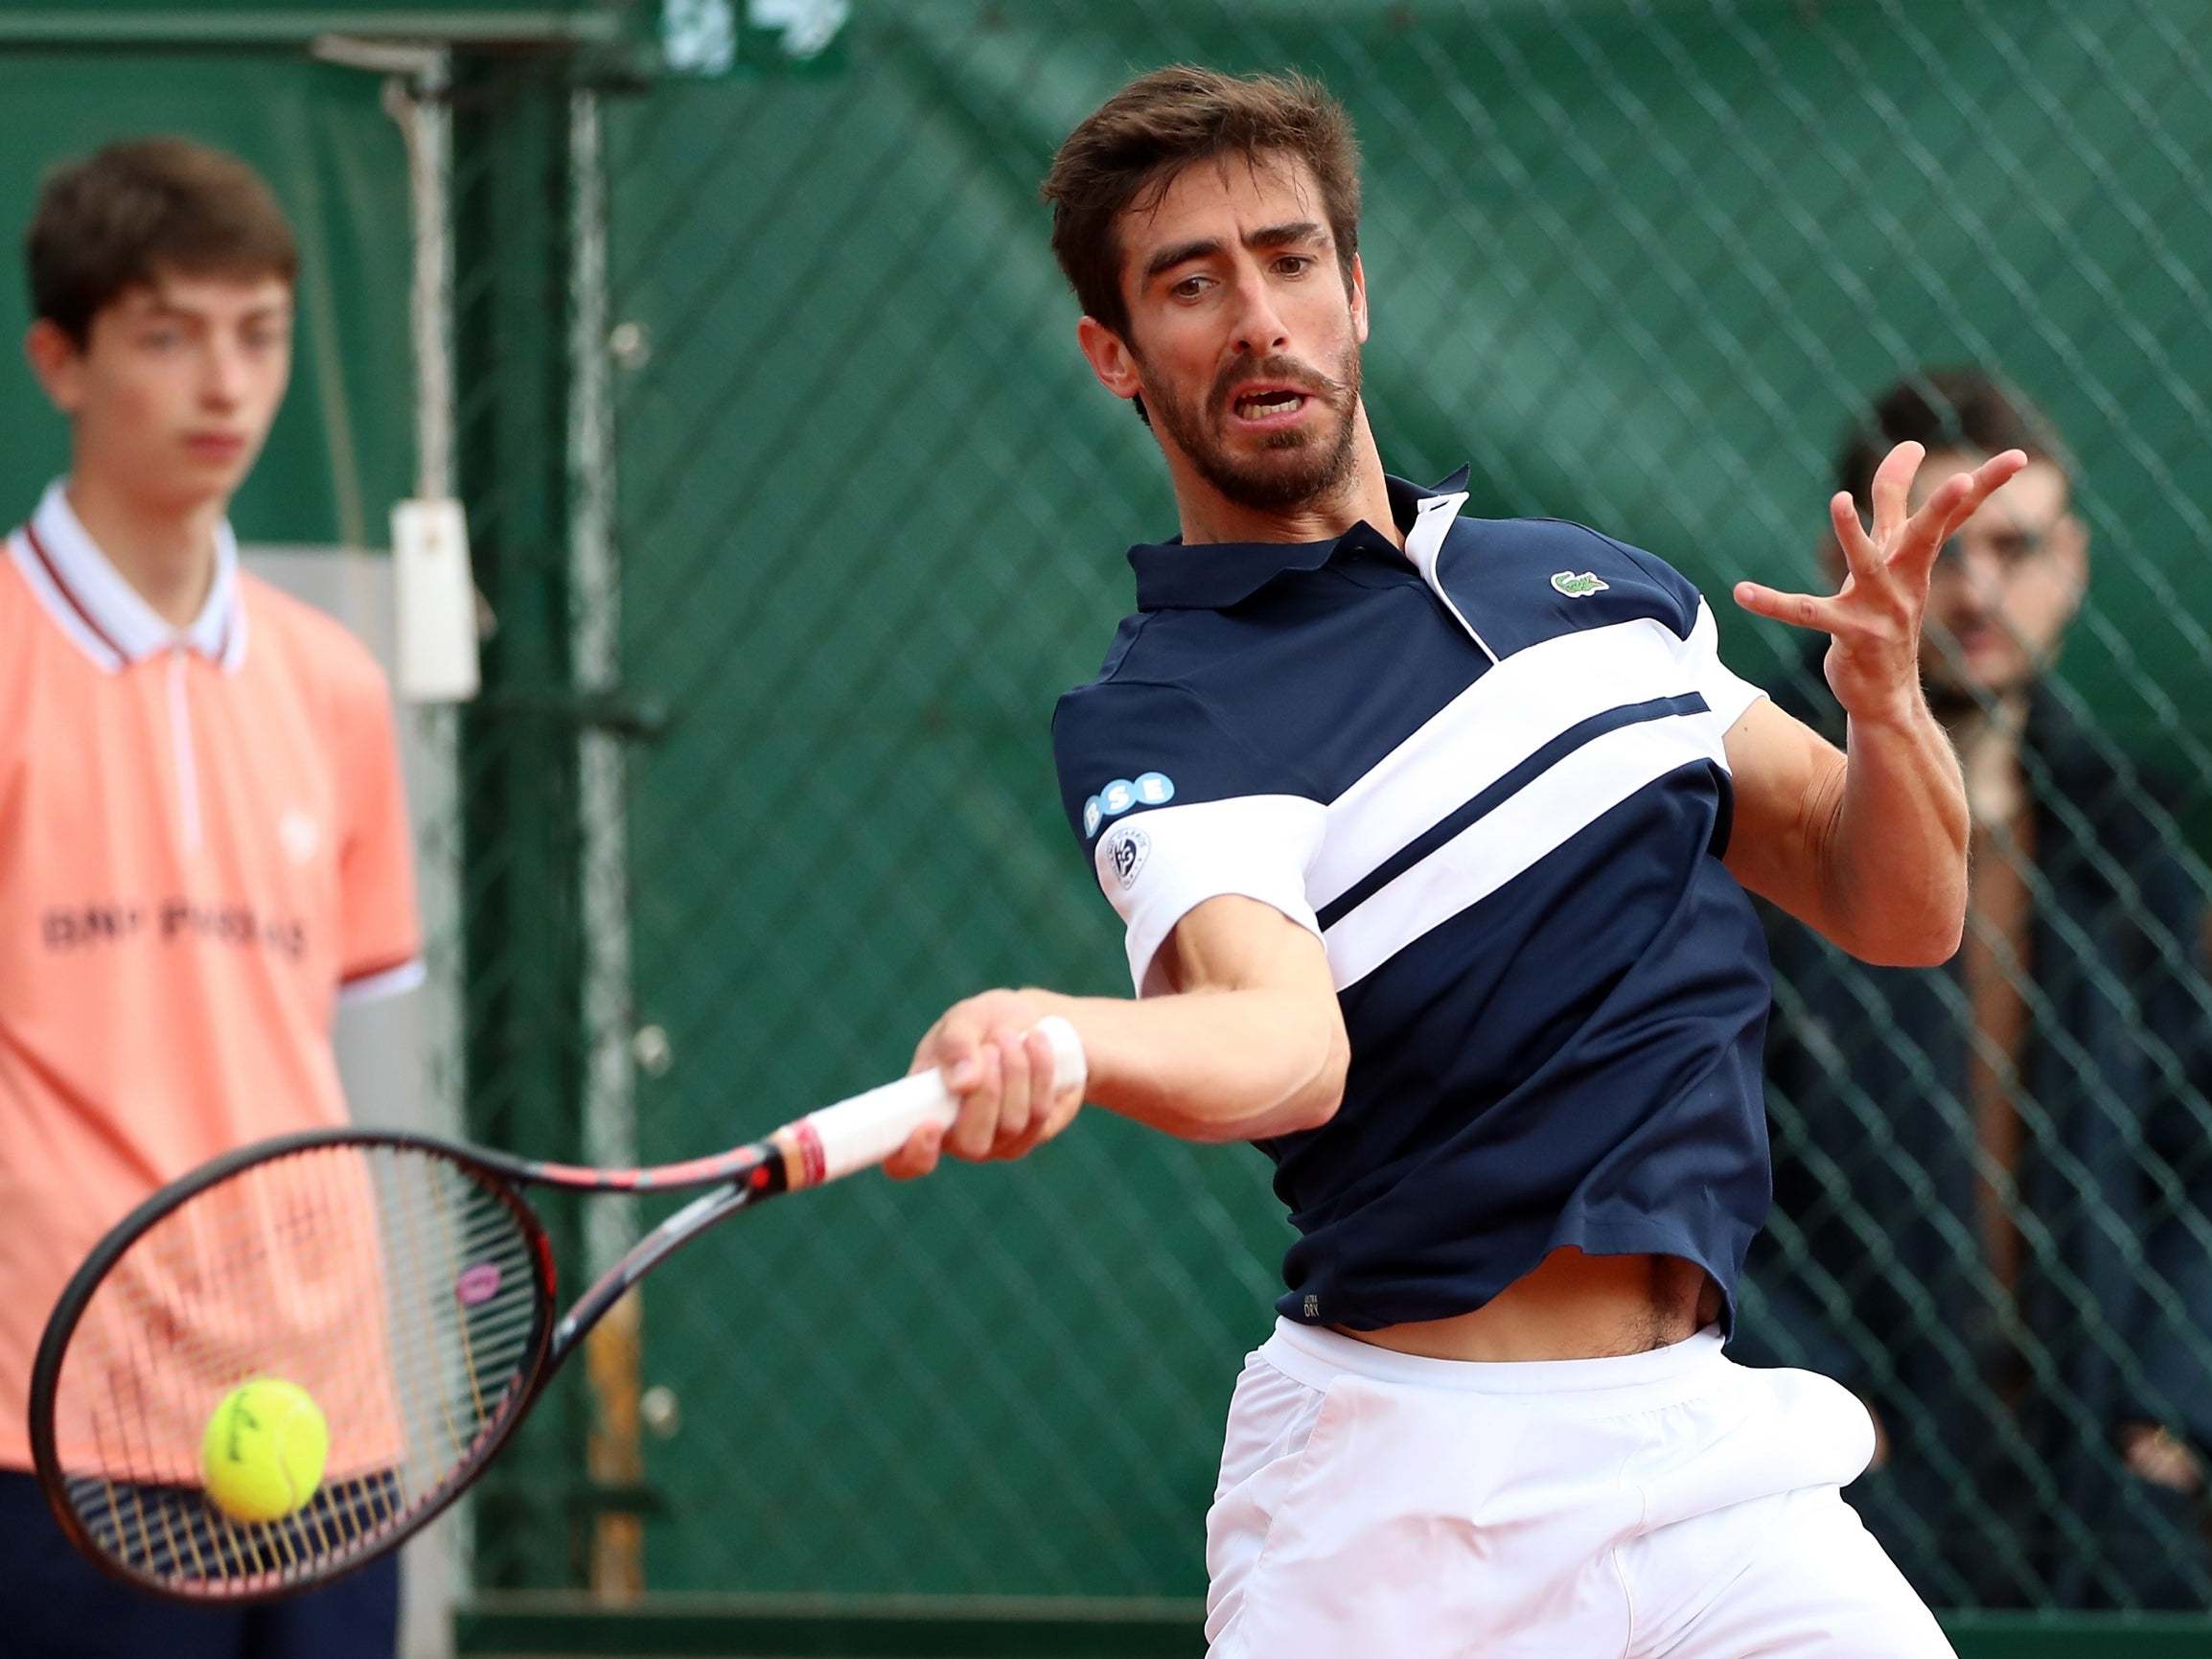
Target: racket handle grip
864,1131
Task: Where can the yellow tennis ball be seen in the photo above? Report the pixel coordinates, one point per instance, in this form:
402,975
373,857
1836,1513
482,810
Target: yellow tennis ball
264,1451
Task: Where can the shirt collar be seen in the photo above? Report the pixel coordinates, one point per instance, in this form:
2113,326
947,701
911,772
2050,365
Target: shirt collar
104,613
1215,575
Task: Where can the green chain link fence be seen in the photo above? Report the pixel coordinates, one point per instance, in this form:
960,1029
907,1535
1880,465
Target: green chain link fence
796,508
1643,265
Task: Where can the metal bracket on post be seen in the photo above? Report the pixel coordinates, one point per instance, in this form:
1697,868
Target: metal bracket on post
612,711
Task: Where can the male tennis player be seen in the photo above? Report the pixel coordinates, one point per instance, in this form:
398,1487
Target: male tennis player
202,841
1432,837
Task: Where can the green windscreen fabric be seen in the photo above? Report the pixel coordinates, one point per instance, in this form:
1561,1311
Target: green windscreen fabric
1638,266
342,447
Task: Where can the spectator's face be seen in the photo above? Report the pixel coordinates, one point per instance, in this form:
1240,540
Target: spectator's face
172,390
2006,586
1244,333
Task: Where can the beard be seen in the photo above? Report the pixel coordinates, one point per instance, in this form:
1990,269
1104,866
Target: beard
1956,687
1294,469
1953,695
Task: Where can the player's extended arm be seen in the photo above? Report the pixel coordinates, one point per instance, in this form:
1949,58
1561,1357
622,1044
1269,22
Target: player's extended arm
1869,844
1250,1042
1870,850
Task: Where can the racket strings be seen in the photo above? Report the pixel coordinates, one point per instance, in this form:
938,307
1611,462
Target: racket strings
395,1286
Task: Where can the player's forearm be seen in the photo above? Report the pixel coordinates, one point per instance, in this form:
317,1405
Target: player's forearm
1215,1065
1894,850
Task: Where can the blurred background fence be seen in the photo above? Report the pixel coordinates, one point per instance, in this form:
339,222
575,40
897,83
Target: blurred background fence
794,508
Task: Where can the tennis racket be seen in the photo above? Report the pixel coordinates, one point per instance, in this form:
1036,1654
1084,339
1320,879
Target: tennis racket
405,1284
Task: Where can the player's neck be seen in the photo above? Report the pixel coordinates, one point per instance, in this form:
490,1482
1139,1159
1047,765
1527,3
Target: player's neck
167,554
1208,515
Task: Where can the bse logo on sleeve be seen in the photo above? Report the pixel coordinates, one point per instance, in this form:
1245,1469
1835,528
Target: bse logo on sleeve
1126,850
1147,788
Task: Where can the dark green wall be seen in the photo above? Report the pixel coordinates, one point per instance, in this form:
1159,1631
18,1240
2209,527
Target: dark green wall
342,447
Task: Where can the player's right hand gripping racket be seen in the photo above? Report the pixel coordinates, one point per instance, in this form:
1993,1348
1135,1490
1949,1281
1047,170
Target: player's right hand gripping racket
405,1284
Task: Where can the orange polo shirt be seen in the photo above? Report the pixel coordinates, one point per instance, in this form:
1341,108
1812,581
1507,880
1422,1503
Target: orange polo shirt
204,845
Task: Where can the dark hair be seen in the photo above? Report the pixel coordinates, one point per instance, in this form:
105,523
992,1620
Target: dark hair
1960,408
1132,147
119,219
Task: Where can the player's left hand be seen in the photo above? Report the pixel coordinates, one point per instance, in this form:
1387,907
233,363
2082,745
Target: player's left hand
1874,621
999,1068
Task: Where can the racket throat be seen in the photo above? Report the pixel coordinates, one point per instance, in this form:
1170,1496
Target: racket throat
797,1160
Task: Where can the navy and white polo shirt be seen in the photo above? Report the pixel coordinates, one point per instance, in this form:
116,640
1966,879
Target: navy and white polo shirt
1488,774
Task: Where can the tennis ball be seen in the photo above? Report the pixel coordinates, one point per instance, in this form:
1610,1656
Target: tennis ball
264,1451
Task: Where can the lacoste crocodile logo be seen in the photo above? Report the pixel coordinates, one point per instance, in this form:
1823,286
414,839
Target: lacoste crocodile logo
1581,587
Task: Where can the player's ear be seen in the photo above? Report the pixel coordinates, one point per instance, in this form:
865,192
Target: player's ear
1355,287
1110,358
58,362
2069,546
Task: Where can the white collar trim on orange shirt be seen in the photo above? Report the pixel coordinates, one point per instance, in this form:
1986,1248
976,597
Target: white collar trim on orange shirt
103,614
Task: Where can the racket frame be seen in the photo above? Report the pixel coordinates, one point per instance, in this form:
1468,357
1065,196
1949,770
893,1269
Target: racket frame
736,1176
824,1145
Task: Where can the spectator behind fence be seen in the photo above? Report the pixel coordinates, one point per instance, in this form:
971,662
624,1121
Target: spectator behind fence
203,846
1993,1179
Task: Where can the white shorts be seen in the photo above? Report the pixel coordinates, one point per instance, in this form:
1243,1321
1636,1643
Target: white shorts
1375,1505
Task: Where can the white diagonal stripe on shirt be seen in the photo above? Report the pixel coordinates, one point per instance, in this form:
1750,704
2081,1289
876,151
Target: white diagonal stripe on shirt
1508,714
1518,834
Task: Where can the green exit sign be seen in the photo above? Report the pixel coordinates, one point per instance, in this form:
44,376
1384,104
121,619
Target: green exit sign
716,37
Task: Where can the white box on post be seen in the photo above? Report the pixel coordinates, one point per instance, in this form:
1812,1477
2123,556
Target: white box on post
435,603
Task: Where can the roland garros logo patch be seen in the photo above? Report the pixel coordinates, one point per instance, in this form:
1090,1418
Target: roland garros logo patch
1127,851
